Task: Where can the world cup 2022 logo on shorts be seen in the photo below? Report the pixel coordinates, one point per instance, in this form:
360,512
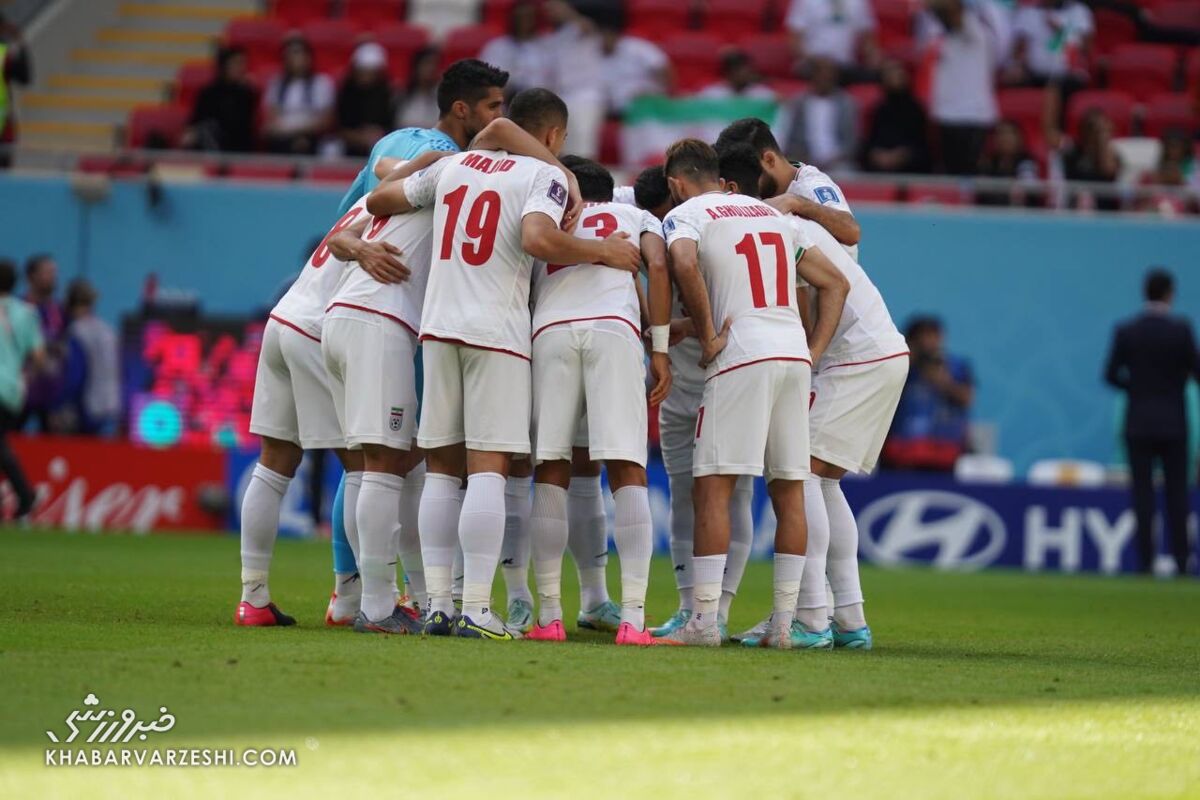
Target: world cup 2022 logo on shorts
396,418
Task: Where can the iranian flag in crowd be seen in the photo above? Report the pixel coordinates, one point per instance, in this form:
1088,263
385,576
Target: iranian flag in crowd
653,123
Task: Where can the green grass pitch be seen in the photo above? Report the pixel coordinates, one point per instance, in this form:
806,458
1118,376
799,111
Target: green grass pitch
994,685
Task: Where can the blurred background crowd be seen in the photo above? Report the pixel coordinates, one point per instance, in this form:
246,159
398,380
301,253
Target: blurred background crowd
1028,91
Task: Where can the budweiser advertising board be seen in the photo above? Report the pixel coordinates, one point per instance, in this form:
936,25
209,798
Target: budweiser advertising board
101,484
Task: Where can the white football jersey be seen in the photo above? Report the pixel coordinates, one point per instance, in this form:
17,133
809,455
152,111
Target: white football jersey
865,331
479,275
303,306
815,185
574,293
624,194
412,234
747,255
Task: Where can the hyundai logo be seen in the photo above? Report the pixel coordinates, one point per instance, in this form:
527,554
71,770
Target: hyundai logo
944,529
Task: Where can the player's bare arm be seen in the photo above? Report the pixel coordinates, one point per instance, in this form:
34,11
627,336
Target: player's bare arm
841,224
384,166
682,328
832,290
804,300
398,172
380,260
685,269
542,238
504,134
654,254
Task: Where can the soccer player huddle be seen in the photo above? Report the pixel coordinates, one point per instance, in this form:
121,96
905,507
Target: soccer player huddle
469,339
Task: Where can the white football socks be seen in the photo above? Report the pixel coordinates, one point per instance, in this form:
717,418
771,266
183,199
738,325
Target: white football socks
409,549
741,539
260,525
633,532
588,539
843,558
441,504
378,517
811,608
514,553
789,569
481,533
707,592
683,517
548,535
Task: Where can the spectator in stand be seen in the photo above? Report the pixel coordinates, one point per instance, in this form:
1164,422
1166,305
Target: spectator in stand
1151,358
1176,170
898,137
417,106
45,380
92,391
930,429
364,103
522,52
738,78
20,347
821,125
299,102
15,67
842,30
960,49
1052,42
1007,157
598,69
1093,159
224,115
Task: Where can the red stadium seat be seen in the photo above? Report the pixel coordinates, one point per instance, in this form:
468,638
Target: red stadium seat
114,166
1113,28
1142,69
940,193
694,57
332,174
1179,14
787,88
368,14
296,13
496,13
260,38
1118,106
1025,107
657,19
466,42
871,192
1169,112
147,122
401,41
610,143
771,53
895,23
733,19
1191,69
191,78
261,171
333,42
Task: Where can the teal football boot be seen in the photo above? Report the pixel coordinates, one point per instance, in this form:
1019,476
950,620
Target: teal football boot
604,617
677,621
857,639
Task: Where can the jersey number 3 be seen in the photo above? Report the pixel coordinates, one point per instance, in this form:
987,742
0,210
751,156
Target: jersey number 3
482,223
748,249
604,224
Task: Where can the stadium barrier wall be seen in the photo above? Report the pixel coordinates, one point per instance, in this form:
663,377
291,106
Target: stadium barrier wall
1029,297
903,520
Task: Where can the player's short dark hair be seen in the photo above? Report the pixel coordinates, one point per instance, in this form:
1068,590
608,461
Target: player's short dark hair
8,275
752,131
1159,284
692,158
650,190
535,110
595,182
468,80
740,164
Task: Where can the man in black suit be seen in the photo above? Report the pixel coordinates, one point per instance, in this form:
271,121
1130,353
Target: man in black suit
1151,358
